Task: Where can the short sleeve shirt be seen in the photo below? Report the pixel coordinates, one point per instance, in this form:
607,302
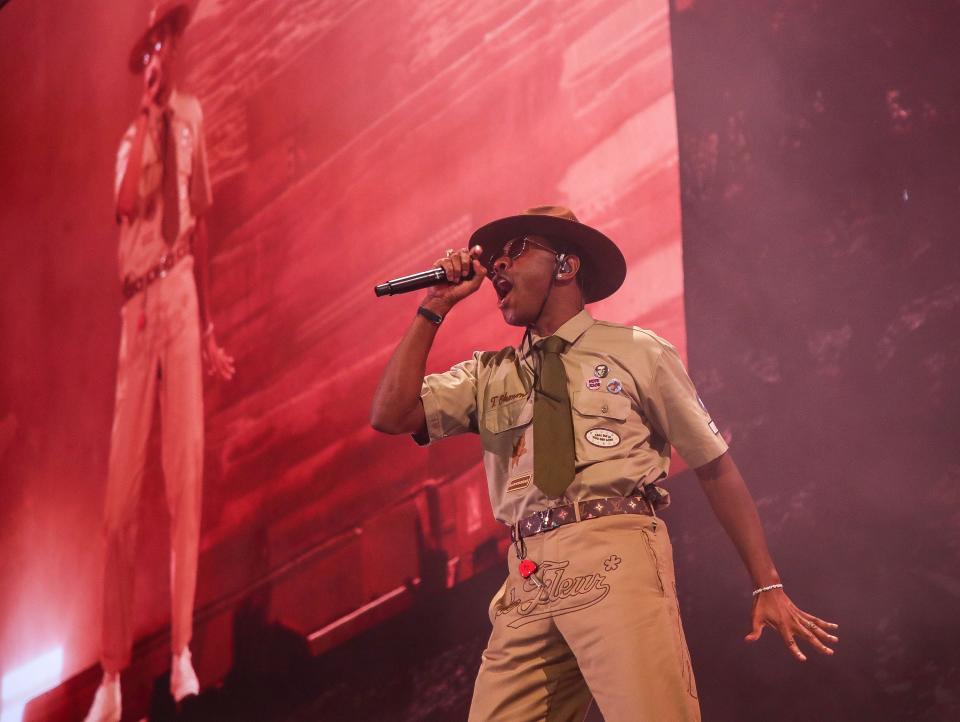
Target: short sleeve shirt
141,237
631,401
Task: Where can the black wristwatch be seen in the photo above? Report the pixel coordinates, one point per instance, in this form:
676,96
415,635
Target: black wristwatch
435,318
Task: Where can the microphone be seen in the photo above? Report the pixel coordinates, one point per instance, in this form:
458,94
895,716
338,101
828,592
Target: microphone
416,281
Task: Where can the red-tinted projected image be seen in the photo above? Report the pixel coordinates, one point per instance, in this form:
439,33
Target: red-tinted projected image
345,144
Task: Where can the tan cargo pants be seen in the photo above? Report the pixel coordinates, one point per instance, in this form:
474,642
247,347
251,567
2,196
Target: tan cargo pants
606,625
160,358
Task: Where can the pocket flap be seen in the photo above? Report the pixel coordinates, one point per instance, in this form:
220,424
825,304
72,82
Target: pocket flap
510,415
597,403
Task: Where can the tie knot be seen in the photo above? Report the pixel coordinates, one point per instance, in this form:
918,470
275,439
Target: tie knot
553,344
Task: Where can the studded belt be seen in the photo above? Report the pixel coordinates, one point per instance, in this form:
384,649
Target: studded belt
133,285
557,516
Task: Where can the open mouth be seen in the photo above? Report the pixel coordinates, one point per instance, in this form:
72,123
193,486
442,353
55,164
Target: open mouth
502,285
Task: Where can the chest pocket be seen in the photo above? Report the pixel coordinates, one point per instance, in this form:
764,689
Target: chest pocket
595,406
511,415
600,426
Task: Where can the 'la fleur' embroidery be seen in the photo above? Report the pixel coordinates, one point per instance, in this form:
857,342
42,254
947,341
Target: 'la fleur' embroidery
560,594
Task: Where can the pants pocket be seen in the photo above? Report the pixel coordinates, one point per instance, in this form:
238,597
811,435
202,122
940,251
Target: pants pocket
684,651
495,603
650,544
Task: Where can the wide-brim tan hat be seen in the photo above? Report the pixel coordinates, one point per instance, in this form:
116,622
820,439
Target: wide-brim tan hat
603,266
175,12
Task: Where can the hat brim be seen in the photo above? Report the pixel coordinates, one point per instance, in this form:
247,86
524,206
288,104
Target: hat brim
604,266
177,14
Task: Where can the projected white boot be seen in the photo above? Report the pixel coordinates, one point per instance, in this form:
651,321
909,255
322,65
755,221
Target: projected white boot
183,679
106,702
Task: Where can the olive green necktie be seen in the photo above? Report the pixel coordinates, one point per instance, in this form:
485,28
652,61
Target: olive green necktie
171,193
553,449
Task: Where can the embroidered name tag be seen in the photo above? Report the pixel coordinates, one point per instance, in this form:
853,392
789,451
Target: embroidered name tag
520,482
604,438
504,398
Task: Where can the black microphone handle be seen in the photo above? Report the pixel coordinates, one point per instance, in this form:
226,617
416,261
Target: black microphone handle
415,281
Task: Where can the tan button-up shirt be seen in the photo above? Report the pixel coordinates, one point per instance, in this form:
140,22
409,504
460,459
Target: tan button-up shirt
141,236
631,398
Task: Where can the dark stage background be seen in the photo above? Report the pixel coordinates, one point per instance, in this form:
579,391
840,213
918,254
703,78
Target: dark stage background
819,164
344,575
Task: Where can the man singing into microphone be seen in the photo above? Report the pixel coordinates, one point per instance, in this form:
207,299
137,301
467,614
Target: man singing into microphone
577,423
162,192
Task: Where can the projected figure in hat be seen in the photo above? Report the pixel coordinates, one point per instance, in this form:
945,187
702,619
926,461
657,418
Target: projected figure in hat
577,423
162,192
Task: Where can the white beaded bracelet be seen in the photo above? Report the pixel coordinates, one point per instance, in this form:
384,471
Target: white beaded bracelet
767,589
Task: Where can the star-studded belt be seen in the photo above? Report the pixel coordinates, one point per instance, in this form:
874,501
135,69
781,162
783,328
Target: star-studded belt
557,516
133,285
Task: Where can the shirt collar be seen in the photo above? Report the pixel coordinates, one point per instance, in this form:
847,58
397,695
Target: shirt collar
572,329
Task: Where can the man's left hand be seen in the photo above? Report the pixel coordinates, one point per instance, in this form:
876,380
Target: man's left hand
774,609
218,362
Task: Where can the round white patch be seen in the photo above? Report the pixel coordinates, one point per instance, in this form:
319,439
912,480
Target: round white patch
602,437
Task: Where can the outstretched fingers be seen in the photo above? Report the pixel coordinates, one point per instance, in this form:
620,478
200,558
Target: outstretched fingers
820,628
793,624
791,642
817,621
809,631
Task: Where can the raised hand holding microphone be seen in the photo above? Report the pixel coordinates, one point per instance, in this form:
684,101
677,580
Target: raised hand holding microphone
396,402
436,275
464,275
156,95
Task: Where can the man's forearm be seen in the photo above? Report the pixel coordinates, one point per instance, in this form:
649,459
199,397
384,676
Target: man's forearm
396,402
735,509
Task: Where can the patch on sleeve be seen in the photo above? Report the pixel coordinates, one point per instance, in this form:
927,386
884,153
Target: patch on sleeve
710,422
